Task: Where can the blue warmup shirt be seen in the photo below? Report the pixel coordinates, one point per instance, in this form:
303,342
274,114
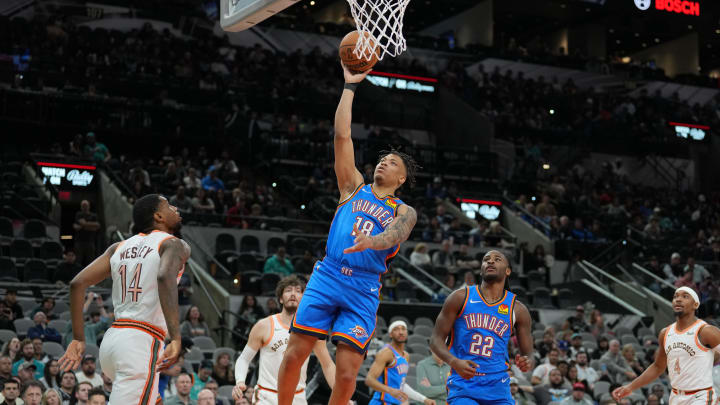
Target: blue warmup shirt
393,377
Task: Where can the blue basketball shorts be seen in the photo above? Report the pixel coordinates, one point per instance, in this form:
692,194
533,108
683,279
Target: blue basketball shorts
339,303
488,389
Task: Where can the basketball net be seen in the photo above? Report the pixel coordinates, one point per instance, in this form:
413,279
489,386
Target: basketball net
383,20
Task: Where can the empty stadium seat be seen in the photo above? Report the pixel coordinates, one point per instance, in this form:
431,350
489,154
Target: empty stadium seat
601,387
93,350
35,271
225,242
53,349
250,244
58,324
6,229
298,246
204,343
246,261
225,391
273,244
51,251
8,271
424,321
22,325
268,282
541,297
34,229
422,349
250,282
535,280
423,330
6,335
21,248
417,339
404,290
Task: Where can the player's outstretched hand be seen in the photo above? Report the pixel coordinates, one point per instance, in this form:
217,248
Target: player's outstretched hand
170,355
361,241
523,363
399,395
238,390
351,77
621,392
73,356
464,368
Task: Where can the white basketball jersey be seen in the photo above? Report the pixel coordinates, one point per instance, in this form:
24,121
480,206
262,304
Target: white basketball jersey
271,356
689,363
135,266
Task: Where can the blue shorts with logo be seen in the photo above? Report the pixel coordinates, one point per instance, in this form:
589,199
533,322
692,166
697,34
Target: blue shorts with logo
488,389
340,303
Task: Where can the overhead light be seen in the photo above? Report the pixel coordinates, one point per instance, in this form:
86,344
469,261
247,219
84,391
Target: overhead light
312,3
587,10
689,26
617,41
546,166
66,237
563,5
644,45
626,59
657,40
637,34
717,31
611,30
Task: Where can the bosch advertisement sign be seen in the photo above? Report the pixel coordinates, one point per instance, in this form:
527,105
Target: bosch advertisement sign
673,6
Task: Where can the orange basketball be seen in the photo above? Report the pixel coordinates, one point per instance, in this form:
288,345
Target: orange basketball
347,54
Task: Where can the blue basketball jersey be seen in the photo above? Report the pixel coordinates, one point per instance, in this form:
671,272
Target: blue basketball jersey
393,377
481,333
372,215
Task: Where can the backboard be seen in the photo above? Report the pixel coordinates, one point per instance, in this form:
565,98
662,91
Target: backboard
238,15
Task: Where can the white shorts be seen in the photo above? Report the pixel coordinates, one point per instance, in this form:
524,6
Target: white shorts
705,397
265,396
129,356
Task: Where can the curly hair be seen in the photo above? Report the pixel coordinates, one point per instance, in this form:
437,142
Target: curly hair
289,281
411,166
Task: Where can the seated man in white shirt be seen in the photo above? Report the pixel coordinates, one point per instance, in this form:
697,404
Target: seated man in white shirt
542,372
87,372
585,372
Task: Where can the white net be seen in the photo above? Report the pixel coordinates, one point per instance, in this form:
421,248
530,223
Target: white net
383,20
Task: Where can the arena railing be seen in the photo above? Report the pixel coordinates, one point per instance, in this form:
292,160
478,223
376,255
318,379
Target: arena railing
441,286
537,222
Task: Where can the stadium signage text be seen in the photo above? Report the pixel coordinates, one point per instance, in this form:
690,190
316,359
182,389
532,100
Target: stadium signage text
402,82
63,174
487,209
673,6
690,131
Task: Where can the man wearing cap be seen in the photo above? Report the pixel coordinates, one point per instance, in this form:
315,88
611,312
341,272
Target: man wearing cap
432,374
387,373
27,353
577,322
575,345
88,373
521,395
691,346
577,397
26,371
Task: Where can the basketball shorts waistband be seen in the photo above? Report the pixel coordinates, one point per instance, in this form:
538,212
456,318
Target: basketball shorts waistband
260,387
681,392
343,270
148,328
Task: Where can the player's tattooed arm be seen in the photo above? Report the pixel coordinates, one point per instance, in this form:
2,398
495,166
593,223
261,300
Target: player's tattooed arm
397,232
173,255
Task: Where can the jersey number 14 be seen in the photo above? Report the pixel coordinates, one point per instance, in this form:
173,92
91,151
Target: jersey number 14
134,289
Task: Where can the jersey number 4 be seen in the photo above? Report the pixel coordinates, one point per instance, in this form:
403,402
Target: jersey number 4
134,288
482,347
363,225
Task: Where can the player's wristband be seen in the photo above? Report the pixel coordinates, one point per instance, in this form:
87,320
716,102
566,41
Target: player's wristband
351,86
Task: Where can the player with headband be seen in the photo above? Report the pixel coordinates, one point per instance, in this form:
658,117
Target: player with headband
687,349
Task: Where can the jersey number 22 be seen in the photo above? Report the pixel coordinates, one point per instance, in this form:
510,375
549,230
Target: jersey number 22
482,347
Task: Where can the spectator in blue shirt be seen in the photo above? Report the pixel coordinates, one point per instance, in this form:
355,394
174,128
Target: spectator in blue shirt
27,354
212,182
42,331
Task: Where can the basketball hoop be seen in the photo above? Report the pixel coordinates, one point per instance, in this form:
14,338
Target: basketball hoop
383,20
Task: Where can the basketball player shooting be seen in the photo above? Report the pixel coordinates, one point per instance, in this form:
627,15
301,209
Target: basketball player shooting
342,297
687,349
145,270
269,336
480,320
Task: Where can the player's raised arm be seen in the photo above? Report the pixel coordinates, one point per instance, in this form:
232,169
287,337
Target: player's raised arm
173,255
443,325
523,330
348,176
94,273
652,373
256,340
396,233
326,362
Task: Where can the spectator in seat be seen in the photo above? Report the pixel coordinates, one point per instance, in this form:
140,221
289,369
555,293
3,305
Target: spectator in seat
82,389
546,344
653,399
5,369
616,365
545,210
522,396
542,372
206,397
558,388
39,352
305,264
565,230
211,182
435,190
171,178
194,324
47,305
202,377
538,260
433,232
272,306
628,352
95,150
181,201
11,302
468,279
575,345
580,232
138,173
32,393
597,323
42,330
494,234
577,397
279,263
464,260
577,322
250,310
185,289
67,386
68,268
431,375
96,396
223,371
86,227
686,281
603,346
674,269
87,372
213,386
444,219
443,257
11,391
51,377
11,348
201,203
6,317
420,257
235,213
585,373
26,372
659,392
52,397
699,272
192,181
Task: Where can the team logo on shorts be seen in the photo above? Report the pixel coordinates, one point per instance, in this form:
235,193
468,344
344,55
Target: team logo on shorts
359,332
503,309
